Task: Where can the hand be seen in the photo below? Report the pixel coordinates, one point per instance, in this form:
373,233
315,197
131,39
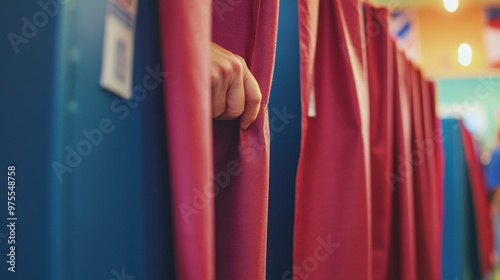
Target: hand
235,91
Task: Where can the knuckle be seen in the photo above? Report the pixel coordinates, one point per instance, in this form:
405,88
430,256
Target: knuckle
237,64
241,60
226,69
215,77
237,69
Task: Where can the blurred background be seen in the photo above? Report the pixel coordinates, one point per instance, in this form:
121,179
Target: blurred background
456,43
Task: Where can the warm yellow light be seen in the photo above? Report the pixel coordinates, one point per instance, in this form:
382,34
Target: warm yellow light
450,5
464,54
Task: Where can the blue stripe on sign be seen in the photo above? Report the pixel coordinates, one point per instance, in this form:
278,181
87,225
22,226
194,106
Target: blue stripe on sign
404,30
121,14
493,13
396,13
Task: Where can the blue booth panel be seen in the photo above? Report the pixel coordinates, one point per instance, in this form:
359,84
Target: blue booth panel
26,80
92,176
460,252
285,143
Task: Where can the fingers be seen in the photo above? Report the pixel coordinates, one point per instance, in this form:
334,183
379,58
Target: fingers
235,102
218,94
235,96
253,98
235,92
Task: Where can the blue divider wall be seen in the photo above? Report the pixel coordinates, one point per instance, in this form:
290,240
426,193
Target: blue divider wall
285,142
109,217
158,230
25,113
460,252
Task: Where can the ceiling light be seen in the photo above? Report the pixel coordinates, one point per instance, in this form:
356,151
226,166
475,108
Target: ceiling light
450,5
464,54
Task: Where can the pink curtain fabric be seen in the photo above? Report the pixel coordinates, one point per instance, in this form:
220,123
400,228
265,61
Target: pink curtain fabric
332,235
249,30
428,216
219,172
402,258
480,203
437,136
381,77
185,39
368,193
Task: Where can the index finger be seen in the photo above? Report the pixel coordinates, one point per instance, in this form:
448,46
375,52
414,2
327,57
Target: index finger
253,98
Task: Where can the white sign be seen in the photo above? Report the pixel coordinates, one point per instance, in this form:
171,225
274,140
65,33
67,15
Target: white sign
118,47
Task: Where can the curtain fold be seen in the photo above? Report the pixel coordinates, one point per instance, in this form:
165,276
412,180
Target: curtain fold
249,29
480,203
219,173
427,204
381,77
402,255
332,235
438,138
369,178
185,41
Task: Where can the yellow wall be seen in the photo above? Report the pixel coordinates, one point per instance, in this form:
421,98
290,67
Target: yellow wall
429,3
442,32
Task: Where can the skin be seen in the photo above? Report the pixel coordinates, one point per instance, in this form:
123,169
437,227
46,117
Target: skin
235,92
496,199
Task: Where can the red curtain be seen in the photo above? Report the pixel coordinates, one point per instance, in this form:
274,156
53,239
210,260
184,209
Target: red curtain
185,39
332,235
406,186
381,77
368,194
427,195
402,255
219,173
432,146
438,138
480,203
249,30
